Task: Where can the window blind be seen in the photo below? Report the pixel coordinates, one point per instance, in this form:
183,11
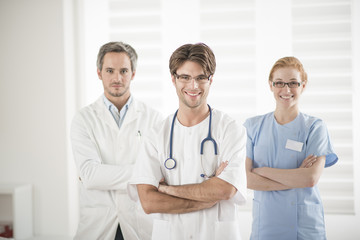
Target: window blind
228,27
139,23
322,40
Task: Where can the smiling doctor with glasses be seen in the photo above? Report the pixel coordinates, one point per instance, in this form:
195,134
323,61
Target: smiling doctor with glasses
287,151
197,155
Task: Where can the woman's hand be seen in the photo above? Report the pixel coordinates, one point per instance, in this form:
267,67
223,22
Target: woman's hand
308,161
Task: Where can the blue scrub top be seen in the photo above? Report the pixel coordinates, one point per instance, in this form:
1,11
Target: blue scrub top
294,213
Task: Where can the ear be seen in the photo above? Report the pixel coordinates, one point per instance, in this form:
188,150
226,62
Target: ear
173,79
211,79
271,86
99,74
303,86
133,75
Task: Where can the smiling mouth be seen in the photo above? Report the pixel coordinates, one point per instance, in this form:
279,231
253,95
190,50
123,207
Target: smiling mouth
287,97
192,94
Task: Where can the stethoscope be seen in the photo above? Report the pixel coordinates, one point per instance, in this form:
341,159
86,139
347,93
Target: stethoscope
170,163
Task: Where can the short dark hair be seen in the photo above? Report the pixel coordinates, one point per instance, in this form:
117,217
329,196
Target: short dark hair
199,53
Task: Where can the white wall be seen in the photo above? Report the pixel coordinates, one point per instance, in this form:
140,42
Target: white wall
33,139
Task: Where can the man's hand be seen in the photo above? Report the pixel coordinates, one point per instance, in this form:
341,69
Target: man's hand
221,168
162,186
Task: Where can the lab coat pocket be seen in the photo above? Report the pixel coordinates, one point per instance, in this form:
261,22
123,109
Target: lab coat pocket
227,230
161,230
92,219
311,222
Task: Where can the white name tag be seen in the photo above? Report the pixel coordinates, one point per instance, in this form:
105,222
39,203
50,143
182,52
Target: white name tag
294,145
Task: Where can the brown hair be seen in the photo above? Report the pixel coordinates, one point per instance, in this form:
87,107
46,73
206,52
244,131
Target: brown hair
199,53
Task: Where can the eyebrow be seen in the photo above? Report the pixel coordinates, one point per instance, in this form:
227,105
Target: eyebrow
125,68
202,74
291,79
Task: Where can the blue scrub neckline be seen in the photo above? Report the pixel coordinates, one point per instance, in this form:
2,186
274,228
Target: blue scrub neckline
286,125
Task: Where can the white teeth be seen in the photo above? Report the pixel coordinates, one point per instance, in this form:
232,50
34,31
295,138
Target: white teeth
286,97
193,94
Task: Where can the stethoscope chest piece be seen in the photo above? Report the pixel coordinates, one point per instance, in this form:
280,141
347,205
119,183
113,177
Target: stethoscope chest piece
170,163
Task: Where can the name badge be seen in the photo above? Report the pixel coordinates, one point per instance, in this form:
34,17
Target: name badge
294,145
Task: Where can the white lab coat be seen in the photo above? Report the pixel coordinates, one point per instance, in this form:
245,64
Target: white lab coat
222,220
104,157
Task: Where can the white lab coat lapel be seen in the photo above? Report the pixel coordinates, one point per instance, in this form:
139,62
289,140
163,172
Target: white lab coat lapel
104,113
133,113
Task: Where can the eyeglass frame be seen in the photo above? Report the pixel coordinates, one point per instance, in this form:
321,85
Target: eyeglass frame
286,83
199,81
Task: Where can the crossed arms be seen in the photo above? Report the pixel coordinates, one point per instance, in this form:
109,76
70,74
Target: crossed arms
274,179
185,198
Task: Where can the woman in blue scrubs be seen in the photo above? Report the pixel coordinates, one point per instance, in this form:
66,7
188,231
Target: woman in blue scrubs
287,151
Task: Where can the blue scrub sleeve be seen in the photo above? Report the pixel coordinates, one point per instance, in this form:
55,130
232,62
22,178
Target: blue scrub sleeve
319,143
249,143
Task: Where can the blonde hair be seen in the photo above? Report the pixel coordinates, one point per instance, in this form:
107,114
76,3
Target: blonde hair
292,62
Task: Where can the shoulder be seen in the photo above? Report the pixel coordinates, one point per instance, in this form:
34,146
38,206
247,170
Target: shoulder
314,126
148,111
225,122
219,115
86,117
311,122
89,110
162,125
257,121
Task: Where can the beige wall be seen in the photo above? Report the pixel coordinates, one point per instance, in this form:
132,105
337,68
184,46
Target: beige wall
33,139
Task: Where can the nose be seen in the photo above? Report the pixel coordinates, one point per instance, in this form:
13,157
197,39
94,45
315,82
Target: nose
194,83
118,77
287,88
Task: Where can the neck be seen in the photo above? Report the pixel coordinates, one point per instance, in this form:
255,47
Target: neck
192,116
119,102
284,116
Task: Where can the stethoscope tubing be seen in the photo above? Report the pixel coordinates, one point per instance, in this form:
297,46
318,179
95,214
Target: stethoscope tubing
170,163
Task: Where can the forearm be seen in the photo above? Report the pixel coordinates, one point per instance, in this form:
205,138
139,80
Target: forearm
294,178
212,190
105,177
154,201
93,173
259,183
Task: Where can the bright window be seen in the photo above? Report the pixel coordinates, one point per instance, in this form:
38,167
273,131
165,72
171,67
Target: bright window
247,38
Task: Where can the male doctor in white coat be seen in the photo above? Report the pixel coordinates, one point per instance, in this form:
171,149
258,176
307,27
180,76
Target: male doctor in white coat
193,199
106,138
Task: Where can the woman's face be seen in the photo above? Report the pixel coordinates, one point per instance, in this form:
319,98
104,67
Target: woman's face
287,96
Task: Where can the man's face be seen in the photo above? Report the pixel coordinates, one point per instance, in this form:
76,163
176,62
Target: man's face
116,75
193,93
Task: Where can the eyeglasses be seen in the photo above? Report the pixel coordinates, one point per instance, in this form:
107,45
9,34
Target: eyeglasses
201,79
293,84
